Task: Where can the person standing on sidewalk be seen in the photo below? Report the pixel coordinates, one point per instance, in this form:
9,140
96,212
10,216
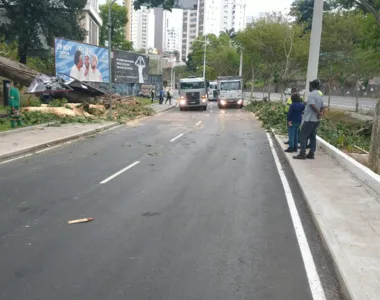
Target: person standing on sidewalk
169,97
294,121
161,96
313,113
14,103
152,94
288,103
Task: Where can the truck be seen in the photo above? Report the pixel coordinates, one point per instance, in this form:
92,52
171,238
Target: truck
192,93
230,91
212,92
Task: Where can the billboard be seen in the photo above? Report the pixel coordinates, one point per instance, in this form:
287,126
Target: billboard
81,61
130,67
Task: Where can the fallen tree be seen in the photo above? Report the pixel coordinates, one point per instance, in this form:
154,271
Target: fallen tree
16,71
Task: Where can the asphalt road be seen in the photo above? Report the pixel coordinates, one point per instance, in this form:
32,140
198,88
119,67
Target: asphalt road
191,207
336,101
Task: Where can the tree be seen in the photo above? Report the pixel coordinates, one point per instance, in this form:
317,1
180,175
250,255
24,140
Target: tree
165,4
302,10
32,24
222,57
119,19
279,48
367,6
341,43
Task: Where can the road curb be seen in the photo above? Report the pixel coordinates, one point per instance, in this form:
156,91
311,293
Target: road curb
362,173
57,141
348,285
23,129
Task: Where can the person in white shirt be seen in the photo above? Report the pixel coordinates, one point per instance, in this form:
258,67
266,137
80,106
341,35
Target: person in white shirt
95,74
86,68
76,71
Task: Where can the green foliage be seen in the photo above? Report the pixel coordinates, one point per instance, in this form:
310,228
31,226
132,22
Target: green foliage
336,128
127,112
165,4
222,58
302,10
119,19
45,18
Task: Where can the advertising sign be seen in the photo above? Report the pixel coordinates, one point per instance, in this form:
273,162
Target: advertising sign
130,67
81,61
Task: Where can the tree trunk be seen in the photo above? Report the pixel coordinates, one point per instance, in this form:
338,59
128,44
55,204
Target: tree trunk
22,53
329,99
357,96
374,150
269,92
16,71
253,82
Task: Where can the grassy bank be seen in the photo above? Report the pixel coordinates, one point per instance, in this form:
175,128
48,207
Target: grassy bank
337,128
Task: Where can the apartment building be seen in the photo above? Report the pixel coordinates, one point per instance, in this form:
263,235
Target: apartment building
209,13
168,30
142,29
233,15
189,31
92,22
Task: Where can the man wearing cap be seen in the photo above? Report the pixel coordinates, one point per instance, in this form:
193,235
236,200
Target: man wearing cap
311,118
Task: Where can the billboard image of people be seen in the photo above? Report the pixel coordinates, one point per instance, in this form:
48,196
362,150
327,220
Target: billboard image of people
81,61
130,67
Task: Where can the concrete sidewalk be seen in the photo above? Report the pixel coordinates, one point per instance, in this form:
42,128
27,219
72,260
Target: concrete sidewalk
29,139
347,214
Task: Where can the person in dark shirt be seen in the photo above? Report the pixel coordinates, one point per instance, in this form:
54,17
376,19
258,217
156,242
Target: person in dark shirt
294,121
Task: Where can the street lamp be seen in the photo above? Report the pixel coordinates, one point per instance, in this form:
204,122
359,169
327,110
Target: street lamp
204,59
109,53
315,44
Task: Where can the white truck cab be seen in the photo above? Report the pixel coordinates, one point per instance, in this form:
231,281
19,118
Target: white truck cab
192,92
230,91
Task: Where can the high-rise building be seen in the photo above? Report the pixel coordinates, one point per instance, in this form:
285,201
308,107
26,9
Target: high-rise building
209,17
233,15
92,22
189,31
168,30
142,29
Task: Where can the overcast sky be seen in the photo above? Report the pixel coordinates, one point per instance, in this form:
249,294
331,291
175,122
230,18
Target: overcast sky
254,7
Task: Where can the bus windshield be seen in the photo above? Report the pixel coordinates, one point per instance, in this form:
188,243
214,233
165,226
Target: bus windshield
230,86
192,85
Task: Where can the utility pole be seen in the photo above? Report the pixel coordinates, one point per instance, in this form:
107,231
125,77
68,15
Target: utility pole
315,44
109,55
204,59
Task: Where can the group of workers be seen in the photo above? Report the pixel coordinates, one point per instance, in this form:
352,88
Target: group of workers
303,118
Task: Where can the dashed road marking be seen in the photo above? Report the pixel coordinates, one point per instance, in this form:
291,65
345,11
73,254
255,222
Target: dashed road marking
120,172
177,137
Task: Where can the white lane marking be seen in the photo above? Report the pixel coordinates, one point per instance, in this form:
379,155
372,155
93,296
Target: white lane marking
199,123
311,270
16,158
120,172
177,137
207,115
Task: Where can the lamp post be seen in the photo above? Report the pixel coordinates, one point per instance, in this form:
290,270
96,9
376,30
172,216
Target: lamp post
315,44
109,54
204,58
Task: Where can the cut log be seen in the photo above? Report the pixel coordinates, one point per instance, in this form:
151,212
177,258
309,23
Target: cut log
16,71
